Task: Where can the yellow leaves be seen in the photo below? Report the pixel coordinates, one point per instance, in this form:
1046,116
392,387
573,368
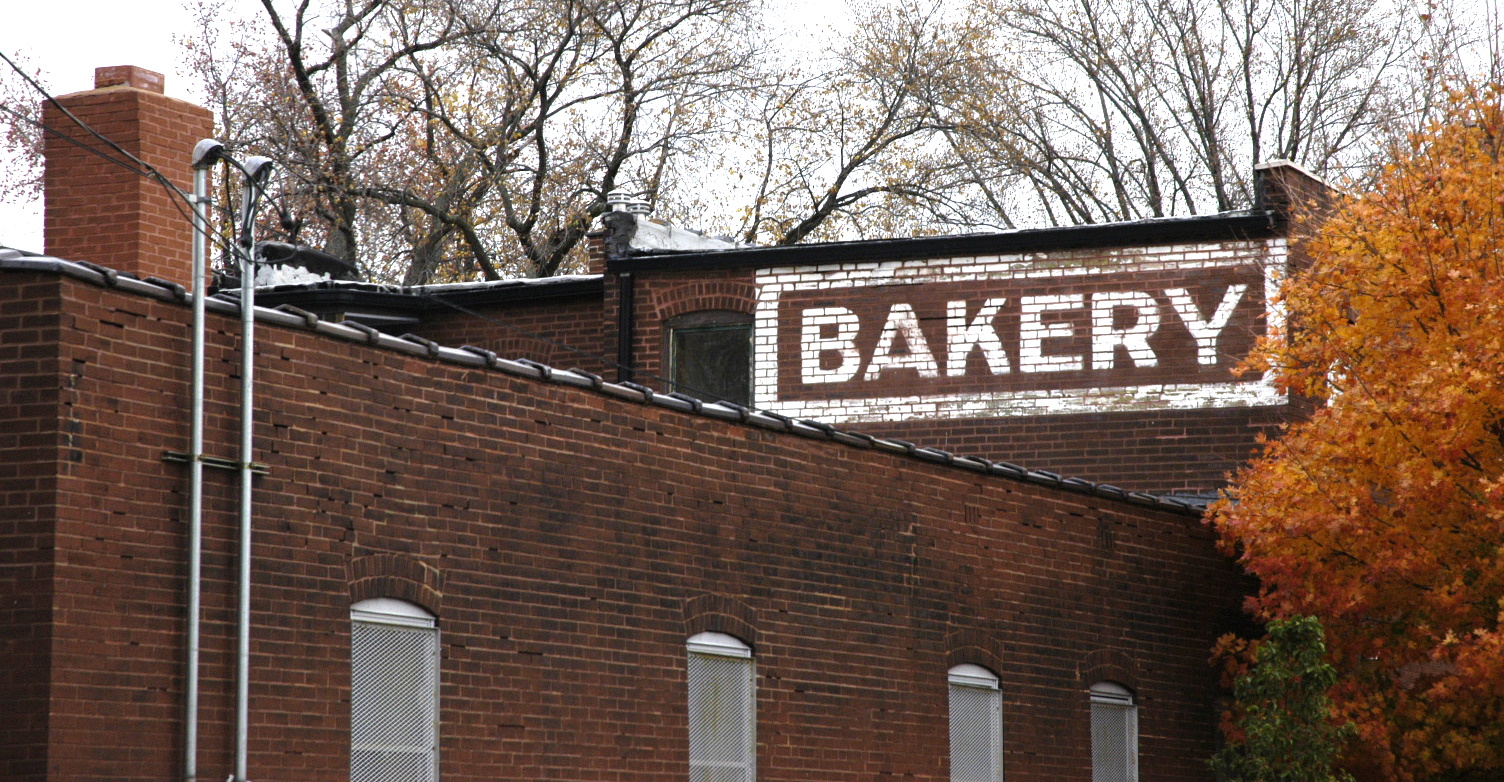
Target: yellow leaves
1383,514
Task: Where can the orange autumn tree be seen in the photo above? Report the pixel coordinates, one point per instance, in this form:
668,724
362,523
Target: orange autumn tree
1383,513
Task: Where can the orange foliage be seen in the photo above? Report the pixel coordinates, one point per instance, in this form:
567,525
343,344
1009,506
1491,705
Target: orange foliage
1383,514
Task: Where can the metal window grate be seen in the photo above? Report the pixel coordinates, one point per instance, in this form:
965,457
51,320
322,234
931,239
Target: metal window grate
976,733
722,744
1114,742
394,704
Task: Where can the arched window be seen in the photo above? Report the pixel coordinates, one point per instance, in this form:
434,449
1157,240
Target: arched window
722,710
1114,733
394,692
710,355
976,725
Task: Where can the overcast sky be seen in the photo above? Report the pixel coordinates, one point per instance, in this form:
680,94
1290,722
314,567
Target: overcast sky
68,46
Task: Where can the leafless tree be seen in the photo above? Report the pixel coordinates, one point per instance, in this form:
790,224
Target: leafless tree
842,143
434,140
475,137
1124,109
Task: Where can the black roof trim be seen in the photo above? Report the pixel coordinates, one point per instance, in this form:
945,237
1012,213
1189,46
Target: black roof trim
292,317
1227,226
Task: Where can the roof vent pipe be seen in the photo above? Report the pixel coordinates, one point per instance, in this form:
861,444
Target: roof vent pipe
622,201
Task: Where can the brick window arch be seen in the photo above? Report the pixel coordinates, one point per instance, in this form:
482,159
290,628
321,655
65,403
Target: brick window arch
399,576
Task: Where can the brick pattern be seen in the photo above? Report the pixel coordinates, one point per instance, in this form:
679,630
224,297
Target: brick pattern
660,297
563,334
570,542
35,442
103,213
1170,452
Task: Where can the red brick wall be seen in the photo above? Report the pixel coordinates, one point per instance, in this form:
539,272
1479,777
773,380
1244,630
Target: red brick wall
1187,451
33,434
1173,451
569,542
561,333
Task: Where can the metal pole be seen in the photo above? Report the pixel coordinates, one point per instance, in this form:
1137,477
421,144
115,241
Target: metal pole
205,154
257,170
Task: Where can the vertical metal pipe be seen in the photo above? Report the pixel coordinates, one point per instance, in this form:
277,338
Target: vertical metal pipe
247,421
257,171
242,650
205,154
195,480
626,299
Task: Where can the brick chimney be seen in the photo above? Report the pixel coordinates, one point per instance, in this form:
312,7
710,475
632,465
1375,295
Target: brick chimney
1292,191
99,212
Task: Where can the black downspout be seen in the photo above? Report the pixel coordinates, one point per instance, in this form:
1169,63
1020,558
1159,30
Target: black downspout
625,297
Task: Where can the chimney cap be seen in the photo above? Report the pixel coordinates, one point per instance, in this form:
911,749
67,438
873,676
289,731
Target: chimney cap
129,76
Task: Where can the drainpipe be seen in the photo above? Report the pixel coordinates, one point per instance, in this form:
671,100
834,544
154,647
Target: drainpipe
257,169
205,154
626,298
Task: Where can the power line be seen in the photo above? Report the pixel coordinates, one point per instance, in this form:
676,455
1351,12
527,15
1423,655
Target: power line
103,155
145,167
71,140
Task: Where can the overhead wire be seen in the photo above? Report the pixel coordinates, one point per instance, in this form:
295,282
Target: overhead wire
71,140
103,155
70,115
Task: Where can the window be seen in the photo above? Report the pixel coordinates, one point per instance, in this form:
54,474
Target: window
722,710
710,356
1114,734
394,693
976,725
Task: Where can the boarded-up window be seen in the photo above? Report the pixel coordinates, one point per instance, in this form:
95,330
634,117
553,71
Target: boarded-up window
710,356
976,725
722,710
394,693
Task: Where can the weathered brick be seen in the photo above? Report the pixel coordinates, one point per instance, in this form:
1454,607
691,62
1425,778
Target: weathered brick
569,542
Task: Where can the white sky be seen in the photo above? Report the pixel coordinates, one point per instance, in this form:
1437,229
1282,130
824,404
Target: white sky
68,39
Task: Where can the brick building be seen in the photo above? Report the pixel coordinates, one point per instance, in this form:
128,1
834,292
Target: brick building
1108,351
492,568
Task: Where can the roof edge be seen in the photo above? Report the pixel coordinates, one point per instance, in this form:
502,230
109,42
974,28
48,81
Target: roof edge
469,356
1227,226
